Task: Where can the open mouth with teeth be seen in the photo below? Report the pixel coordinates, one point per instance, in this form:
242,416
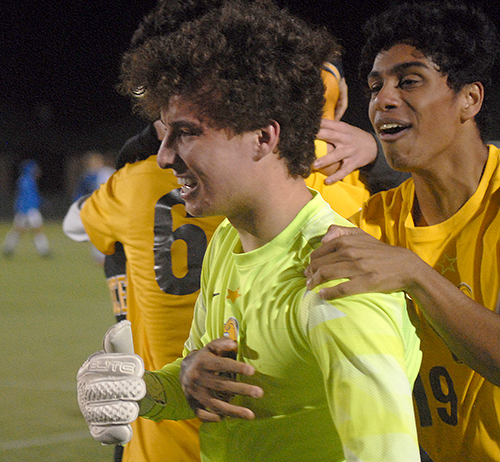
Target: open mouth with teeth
187,184
392,128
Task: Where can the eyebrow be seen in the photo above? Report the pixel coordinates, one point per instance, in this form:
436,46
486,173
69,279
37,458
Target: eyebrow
398,68
186,124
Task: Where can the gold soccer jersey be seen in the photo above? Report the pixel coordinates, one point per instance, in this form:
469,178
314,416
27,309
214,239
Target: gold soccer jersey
457,409
140,207
337,377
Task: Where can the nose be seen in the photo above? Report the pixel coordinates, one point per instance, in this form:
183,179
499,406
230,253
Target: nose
166,155
387,98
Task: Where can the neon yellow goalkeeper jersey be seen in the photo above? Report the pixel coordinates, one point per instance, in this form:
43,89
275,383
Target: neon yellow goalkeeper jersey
337,377
457,409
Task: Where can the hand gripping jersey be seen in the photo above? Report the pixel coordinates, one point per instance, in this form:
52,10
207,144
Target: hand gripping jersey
140,207
337,377
457,409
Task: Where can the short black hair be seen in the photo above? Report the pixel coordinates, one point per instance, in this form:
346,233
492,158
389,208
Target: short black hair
242,66
458,37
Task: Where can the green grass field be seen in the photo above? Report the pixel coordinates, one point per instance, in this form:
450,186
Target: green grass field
53,316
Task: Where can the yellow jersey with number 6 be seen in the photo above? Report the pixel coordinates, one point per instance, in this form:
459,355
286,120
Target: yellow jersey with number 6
140,207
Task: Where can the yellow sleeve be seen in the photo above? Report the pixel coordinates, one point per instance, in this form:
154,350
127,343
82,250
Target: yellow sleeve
101,217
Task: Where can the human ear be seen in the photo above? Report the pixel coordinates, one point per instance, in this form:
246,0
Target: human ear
268,139
473,94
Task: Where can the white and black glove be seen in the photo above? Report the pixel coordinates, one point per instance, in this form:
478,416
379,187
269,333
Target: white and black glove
110,384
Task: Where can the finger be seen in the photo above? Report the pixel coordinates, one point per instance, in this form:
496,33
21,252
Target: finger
332,132
327,124
334,232
221,364
328,135
231,387
340,109
226,348
215,406
333,158
221,383
339,112
221,345
212,359
341,290
221,410
329,170
343,100
326,271
203,385
207,416
339,174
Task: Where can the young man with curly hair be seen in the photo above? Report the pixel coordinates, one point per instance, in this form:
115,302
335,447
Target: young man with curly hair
429,69
240,94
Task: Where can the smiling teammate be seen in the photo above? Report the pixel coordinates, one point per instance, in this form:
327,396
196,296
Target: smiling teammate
429,69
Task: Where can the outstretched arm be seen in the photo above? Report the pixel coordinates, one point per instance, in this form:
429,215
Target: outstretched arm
470,330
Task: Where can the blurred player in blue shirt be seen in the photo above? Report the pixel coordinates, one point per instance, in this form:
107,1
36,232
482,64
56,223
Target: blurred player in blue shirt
27,214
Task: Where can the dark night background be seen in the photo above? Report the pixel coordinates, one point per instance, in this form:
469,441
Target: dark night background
59,63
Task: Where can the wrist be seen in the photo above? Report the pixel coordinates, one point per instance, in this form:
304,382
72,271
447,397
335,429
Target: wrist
417,274
155,399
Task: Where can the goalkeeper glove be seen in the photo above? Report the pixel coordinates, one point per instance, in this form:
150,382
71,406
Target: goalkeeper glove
110,384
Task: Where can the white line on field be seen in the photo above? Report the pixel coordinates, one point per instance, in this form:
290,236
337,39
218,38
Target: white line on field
44,440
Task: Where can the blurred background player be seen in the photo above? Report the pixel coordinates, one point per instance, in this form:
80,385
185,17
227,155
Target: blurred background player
96,172
27,215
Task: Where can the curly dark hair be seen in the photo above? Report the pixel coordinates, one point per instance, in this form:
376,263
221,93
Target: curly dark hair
242,66
163,19
168,15
458,37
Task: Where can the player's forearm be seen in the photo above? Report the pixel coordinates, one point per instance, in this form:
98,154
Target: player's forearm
470,330
164,398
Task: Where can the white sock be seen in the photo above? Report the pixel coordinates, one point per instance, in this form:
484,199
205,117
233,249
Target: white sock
11,240
41,244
